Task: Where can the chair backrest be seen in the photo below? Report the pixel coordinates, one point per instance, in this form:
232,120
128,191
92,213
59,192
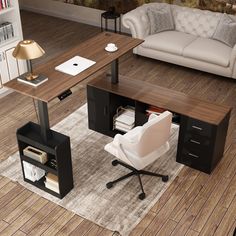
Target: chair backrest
154,133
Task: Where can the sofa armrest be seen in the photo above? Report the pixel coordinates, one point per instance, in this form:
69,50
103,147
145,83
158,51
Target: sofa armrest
233,62
137,21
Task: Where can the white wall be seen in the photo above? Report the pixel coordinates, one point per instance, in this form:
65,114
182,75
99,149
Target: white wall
67,11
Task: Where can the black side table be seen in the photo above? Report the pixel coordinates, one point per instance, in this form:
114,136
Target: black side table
111,15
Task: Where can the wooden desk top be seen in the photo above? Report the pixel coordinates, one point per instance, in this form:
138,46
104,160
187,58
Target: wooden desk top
59,82
165,98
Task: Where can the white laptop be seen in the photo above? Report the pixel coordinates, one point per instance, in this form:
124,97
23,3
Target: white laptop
75,65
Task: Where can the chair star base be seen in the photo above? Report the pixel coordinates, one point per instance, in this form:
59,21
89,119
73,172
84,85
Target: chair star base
136,172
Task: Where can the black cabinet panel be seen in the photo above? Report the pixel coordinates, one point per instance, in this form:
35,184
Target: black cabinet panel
196,159
197,142
200,144
198,127
140,113
98,110
102,107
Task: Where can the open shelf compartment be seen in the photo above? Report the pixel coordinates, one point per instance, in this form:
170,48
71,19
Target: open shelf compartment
57,148
31,134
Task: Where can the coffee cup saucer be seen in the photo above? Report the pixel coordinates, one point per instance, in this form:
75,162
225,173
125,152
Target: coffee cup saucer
108,49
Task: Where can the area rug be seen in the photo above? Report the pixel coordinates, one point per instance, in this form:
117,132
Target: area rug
118,208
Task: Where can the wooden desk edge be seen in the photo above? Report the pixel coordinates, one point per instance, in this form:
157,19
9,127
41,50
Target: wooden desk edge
102,83
68,81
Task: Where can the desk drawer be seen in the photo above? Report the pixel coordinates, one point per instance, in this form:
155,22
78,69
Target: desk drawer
197,142
198,127
196,159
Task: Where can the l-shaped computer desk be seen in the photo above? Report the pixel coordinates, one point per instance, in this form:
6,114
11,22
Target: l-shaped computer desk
203,125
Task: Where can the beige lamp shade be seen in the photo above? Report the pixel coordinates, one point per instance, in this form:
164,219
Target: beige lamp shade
27,50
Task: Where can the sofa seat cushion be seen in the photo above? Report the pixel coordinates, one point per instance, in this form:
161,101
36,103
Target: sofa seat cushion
209,50
169,41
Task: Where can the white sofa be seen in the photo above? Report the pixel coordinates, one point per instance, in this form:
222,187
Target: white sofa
190,44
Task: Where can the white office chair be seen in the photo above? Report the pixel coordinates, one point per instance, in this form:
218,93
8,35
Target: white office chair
141,146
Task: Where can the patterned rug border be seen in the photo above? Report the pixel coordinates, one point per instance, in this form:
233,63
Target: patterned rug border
49,197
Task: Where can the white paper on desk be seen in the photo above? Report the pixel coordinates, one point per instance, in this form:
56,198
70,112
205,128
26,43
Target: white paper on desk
75,65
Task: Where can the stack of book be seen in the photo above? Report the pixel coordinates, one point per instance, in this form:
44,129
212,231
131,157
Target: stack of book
35,82
6,31
32,172
4,4
154,110
124,119
51,182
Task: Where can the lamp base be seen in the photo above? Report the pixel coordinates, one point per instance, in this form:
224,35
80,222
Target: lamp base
31,76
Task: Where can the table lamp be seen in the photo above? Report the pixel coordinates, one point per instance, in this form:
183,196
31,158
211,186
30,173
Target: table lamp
28,50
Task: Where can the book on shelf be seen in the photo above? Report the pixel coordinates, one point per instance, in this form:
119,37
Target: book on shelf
122,125
124,119
123,128
154,110
32,172
36,82
6,31
52,187
51,178
5,4
125,115
51,182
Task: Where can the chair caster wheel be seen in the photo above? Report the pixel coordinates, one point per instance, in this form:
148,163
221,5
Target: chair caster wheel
141,196
109,185
165,178
114,163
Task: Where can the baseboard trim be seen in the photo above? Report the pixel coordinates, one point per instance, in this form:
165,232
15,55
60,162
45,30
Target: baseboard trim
70,12
60,15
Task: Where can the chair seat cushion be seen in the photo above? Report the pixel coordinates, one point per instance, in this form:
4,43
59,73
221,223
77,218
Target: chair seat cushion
208,50
137,162
112,148
169,41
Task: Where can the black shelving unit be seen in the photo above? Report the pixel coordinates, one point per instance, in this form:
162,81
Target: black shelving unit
57,147
200,143
102,107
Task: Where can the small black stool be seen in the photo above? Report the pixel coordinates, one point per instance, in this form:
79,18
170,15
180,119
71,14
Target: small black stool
111,15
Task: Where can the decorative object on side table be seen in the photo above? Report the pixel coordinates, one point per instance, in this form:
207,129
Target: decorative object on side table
28,50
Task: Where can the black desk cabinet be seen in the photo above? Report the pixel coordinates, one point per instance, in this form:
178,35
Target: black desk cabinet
98,108
102,106
201,145
57,148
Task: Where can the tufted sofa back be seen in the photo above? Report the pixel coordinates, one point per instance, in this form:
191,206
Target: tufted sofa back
194,21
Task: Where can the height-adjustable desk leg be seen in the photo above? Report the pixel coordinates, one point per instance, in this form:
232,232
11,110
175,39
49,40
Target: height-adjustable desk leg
44,120
114,72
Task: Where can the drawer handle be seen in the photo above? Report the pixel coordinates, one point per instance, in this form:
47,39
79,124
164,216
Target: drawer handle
193,155
196,127
194,141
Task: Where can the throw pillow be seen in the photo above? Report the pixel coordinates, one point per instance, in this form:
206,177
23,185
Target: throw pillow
160,19
226,31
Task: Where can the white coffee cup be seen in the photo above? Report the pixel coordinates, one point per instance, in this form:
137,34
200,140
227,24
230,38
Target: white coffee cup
111,46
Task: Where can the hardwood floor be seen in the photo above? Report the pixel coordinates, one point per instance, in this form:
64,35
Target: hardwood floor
194,204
